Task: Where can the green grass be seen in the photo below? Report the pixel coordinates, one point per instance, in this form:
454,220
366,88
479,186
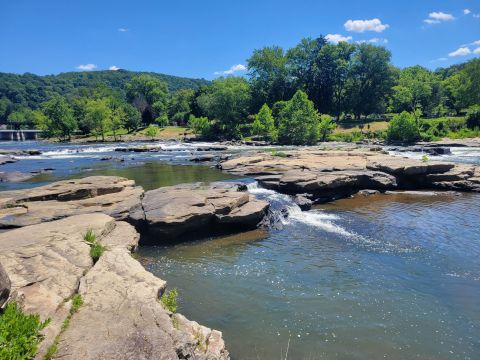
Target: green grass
90,236
425,158
77,302
19,333
169,300
96,250
279,153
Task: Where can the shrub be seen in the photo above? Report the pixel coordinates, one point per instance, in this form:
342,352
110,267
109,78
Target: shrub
403,128
473,116
425,158
351,136
151,131
162,120
326,127
200,125
19,333
169,300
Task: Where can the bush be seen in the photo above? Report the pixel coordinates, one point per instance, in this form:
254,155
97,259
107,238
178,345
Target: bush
169,300
19,333
351,136
403,128
151,131
200,126
473,117
326,127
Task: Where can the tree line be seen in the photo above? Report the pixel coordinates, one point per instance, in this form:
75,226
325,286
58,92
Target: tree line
293,96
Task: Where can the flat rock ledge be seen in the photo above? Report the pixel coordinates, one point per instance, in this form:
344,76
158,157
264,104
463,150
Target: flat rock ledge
166,213
322,175
44,265
195,209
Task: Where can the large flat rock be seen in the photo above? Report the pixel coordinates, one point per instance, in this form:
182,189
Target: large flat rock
121,318
112,195
326,175
184,209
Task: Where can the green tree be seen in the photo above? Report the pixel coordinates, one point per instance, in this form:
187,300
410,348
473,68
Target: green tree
403,127
132,117
60,121
326,127
467,86
473,116
6,107
180,106
20,119
264,124
370,80
149,95
417,88
269,76
298,121
99,117
227,101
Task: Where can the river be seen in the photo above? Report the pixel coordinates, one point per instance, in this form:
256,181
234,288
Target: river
392,276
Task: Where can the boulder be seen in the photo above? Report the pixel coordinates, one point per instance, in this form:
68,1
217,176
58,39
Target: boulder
193,209
303,202
111,195
4,286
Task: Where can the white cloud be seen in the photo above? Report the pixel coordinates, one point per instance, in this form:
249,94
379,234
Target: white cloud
463,51
336,38
476,16
437,17
365,25
477,51
123,29
232,70
86,67
466,11
114,68
439,59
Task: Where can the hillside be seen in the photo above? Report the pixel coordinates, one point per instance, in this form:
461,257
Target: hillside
31,90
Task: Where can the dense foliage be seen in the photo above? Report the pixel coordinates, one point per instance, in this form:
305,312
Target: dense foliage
19,333
281,99
403,128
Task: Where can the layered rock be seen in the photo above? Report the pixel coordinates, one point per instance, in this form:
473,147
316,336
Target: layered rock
175,211
115,196
327,175
121,317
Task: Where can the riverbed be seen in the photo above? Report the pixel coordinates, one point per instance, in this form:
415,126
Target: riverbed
391,276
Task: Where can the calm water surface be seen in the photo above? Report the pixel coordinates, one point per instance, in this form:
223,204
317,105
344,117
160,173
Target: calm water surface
390,276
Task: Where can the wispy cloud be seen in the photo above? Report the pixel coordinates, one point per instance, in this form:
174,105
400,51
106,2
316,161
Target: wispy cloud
439,59
437,17
466,11
233,69
463,51
476,16
365,25
114,68
476,51
123,29
374,40
86,67
336,38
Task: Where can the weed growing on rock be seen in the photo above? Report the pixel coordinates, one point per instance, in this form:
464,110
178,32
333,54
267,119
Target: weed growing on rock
169,300
19,333
89,236
96,249
425,158
279,154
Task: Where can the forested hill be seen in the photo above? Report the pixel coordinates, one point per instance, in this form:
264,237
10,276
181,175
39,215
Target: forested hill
31,90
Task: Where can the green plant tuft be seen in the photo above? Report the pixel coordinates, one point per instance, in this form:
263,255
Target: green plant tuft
279,154
96,251
89,236
77,301
425,158
19,333
169,300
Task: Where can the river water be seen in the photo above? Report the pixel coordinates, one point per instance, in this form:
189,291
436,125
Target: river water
392,276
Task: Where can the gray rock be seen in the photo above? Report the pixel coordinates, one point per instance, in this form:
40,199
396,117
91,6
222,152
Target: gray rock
191,209
4,286
303,202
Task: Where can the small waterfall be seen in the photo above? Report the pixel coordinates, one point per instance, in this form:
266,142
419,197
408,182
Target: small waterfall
284,211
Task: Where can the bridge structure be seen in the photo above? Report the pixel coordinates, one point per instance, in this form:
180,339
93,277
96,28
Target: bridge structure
19,135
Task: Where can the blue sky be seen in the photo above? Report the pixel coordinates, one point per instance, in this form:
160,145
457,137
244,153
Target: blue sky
207,38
